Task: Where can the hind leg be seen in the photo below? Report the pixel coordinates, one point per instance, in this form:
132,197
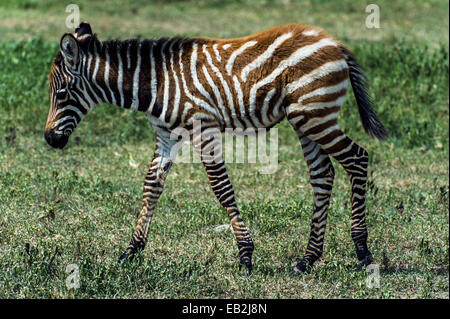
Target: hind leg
321,178
355,160
321,127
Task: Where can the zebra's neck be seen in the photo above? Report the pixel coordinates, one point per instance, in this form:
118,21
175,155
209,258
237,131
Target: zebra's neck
124,73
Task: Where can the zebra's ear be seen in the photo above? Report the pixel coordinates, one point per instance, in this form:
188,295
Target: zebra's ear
84,30
69,49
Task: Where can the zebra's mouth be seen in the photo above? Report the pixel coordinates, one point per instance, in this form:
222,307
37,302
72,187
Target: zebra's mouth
56,140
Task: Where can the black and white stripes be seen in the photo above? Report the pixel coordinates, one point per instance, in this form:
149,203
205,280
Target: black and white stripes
293,71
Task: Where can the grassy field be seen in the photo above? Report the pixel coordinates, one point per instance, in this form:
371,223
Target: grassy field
80,205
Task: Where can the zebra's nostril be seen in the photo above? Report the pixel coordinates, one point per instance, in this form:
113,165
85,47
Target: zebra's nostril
48,137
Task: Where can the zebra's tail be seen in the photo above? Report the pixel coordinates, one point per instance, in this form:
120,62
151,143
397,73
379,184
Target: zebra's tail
371,123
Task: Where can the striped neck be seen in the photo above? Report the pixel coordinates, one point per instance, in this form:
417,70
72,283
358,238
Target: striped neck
122,73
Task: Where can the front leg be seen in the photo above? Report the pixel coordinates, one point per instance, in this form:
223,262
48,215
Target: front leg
153,187
217,174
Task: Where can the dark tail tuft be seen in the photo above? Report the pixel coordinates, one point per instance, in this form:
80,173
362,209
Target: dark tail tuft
372,125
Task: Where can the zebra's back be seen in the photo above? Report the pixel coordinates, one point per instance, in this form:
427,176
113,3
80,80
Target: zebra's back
248,82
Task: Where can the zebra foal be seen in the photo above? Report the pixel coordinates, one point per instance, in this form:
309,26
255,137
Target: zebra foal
293,71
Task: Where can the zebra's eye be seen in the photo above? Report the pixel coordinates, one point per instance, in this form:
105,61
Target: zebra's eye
61,94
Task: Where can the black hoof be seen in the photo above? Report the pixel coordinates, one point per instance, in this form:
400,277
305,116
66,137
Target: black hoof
131,250
366,260
303,267
127,255
248,265
364,255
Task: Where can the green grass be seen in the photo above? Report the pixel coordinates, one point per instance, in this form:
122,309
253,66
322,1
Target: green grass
80,205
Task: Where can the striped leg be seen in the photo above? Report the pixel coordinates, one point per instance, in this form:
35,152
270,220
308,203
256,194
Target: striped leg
222,188
355,161
153,187
321,178
352,157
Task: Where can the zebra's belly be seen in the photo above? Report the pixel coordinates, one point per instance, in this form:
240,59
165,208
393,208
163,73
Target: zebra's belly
255,121
264,111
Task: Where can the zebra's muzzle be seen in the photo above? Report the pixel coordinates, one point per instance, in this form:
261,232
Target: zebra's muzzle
56,140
